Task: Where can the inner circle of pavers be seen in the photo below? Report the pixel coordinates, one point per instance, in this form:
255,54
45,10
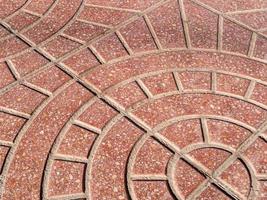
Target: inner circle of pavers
185,155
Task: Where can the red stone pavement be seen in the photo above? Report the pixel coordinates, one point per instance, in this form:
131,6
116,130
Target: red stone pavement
133,99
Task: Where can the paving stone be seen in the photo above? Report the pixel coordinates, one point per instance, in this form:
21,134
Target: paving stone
22,20
131,99
6,75
10,126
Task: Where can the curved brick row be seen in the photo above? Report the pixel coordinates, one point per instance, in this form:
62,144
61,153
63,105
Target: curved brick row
159,99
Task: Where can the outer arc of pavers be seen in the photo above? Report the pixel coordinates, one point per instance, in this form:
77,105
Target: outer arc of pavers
18,161
57,143
103,76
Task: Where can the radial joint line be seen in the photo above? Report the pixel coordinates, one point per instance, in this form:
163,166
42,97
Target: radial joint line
152,32
72,38
185,24
94,23
69,158
32,13
37,88
196,192
6,143
149,177
205,130
97,54
213,81
178,81
13,70
144,88
87,126
220,33
252,44
14,112
124,43
67,197
250,89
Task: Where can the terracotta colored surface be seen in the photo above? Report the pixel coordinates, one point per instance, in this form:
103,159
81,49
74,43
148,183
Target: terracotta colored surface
131,99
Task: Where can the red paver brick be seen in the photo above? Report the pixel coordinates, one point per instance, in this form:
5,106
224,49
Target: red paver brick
39,6
22,99
50,79
77,142
84,31
81,61
54,21
260,93
29,62
6,75
10,126
235,38
211,158
195,80
184,133
232,84
212,192
152,190
160,83
60,46
105,16
263,190
22,20
202,26
66,178
152,158
109,182
257,154
187,179
261,48
227,133
98,114
138,36
233,174
168,25
10,46
4,32
110,47
124,94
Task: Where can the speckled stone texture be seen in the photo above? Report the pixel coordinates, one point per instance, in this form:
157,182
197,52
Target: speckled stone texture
133,99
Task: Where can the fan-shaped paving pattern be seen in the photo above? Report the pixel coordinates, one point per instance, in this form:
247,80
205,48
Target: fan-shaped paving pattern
155,99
